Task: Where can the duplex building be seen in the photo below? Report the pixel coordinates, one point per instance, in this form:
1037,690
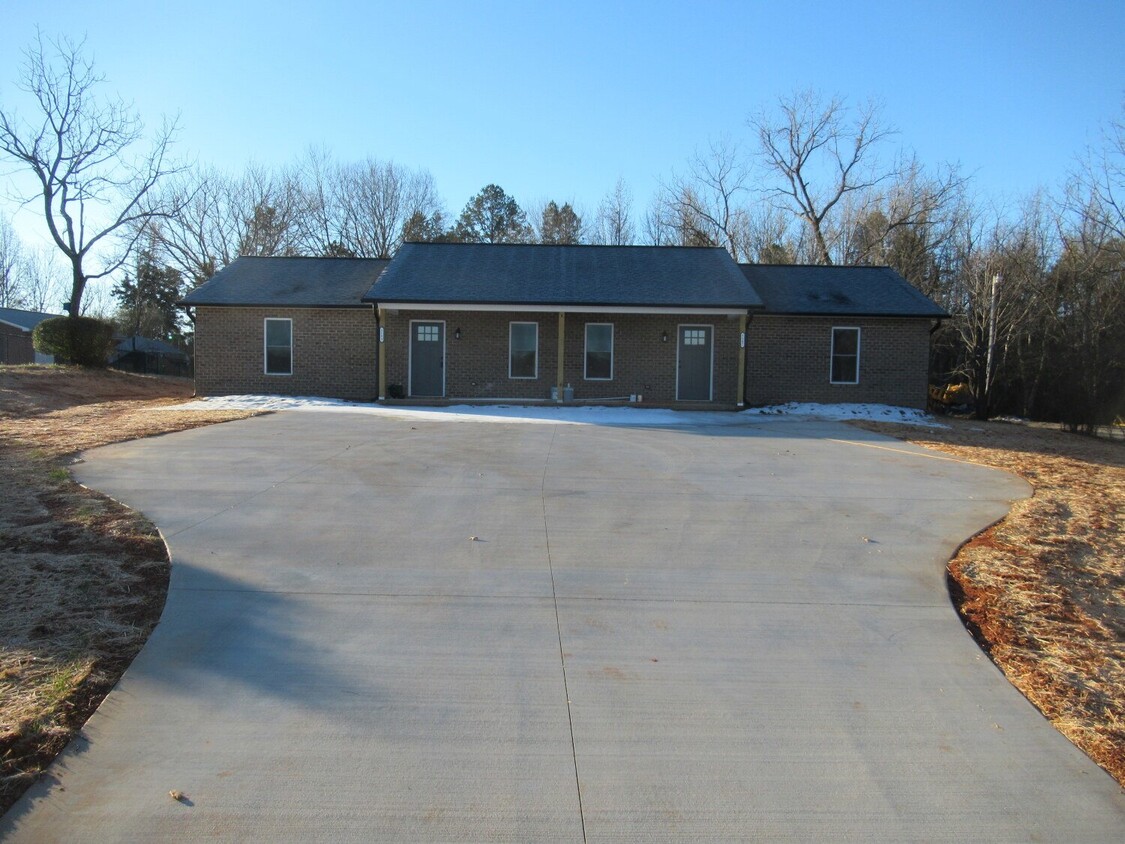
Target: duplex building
666,326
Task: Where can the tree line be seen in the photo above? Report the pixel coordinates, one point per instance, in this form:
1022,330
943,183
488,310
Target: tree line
1036,293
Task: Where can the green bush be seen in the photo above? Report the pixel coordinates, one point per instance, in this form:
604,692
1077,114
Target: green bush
80,340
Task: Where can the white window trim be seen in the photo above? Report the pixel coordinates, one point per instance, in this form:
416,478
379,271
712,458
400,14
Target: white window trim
858,350
410,356
266,348
586,351
523,377
679,335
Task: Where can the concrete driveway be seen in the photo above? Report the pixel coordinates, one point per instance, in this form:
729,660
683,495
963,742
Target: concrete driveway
711,633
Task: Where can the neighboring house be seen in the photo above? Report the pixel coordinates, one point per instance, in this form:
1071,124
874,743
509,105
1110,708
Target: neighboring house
15,336
147,355
675,326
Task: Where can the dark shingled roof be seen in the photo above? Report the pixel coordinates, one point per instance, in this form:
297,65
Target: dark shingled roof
26,320
493,274
290,282
838,291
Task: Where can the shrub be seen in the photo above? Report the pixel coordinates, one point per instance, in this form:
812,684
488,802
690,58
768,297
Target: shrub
80,340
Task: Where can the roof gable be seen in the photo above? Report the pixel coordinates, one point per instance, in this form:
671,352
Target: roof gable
838,291
289,282
27,320
525,274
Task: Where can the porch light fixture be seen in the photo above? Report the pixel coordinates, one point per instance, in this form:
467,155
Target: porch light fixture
457,333
664,337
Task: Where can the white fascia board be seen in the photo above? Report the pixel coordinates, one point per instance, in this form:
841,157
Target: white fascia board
555,309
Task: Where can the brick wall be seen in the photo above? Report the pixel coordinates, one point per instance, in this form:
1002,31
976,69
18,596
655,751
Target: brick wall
334,352
788,360
15,345
477,364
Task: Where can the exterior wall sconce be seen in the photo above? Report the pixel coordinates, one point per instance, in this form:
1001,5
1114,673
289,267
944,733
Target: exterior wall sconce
664,337
457,334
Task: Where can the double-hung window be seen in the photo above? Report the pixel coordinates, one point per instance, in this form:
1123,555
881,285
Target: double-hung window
845,356
523,350
599,351
279,347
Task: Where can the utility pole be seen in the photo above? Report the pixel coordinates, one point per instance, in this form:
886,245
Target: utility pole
991,337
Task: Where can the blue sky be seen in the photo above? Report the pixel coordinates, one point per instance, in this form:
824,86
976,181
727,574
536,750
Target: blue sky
558,100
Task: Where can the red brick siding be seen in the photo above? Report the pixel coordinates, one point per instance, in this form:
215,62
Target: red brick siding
477,364
334,352
788,360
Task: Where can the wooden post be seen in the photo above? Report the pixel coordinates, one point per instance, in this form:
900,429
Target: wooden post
381,346
742,360
562,357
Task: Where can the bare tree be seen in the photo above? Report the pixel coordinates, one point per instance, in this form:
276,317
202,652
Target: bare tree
11,257
912,209
269,212
199,240
818,156
708,200
1096,191
81,151
322,225
763,234
672,219
375,201
261,212
614,225
42,281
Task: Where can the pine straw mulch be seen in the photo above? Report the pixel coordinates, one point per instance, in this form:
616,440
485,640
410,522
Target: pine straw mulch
1043,590
83,579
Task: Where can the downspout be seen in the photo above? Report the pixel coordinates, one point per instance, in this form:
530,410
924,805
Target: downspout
194,348
741,392
560,369
381,349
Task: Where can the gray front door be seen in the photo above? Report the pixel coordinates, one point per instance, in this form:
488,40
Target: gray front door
427,358
693,362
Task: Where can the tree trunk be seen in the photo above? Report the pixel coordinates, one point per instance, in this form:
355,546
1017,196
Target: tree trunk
77,287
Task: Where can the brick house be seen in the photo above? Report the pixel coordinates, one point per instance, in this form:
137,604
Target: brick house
16,345
669,326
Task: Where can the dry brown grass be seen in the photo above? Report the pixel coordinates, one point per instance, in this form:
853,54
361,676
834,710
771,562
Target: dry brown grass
82,578
1043,591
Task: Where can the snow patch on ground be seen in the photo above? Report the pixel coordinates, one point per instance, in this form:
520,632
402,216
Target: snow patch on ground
843,412
553,415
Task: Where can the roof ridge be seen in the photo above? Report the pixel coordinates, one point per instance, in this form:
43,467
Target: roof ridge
823,266
308,258
563,245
